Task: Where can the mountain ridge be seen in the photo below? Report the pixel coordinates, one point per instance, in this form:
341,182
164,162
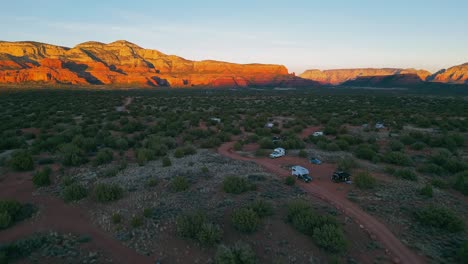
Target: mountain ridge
124,63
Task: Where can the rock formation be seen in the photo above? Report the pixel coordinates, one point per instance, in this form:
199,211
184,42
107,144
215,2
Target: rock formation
456,74
124,63
336,77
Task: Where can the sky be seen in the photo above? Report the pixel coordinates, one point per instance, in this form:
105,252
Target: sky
300,34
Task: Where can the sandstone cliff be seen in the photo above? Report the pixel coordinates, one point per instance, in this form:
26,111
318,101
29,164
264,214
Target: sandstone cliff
336,77
125,63
457,74
397,80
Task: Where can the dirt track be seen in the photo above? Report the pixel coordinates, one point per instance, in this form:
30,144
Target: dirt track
55,215
323,188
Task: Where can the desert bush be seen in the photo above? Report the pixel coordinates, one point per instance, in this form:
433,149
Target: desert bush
12,211
179,184
107,192
21,160
302,153
237,146
262,208
406,174
365,152
152,182
245,220
209,234
461,182
116,218
347,164
395,145
330,237
143,155
261,152
462,253
440,217
397,158
103,156
42,178
240,253
5,220
74,192
364,180
197,226
418,145
136,221
236,185
426,190
71,155
290,180
166,162
148,212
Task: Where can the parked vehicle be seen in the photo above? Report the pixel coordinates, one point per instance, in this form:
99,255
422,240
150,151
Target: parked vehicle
278,152
301,173
315,161
318,134
341,176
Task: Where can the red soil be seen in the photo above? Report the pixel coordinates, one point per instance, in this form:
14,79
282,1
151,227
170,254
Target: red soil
55,215
334,194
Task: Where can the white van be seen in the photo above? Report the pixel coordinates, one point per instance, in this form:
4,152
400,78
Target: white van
277,152
318,134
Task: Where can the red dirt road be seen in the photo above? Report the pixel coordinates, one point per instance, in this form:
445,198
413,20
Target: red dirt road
55,215
334,194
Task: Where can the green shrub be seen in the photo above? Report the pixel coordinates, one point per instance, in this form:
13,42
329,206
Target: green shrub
144,155
440,217
439,183
103,156
74,192
347,164
365,152
397,158
107,192
396,145
42,177
189,225
21,160
261,152
166,162
461,182
196,226
209,234
136,221
364,180
71,155
179,153
236,185
148,212
303,153
418,146
5,220
296,207
290,180
116,218
152,182
237,146
180,184
330,237
240,253
406,174
245,220
426,190
462,253
262,208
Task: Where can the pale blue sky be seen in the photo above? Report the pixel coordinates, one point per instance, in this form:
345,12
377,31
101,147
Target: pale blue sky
301,34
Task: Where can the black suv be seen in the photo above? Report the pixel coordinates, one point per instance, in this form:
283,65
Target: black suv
304,178
341,176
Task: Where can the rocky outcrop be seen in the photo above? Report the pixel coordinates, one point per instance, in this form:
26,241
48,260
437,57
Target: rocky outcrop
336,77
457,74
125,63
397,80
